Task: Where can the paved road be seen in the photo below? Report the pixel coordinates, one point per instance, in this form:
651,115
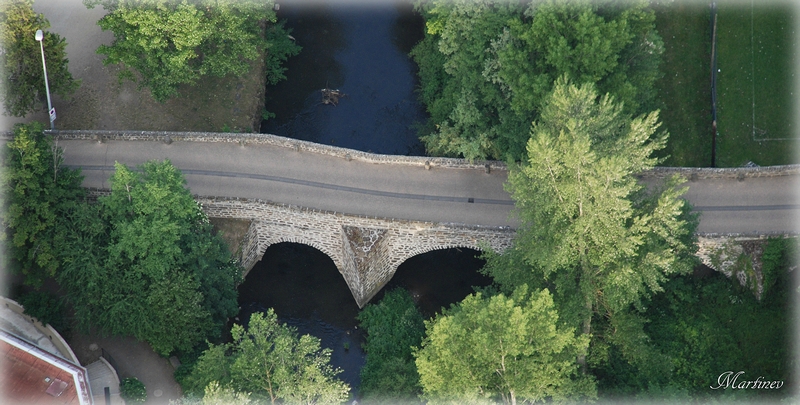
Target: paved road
311,180
756,205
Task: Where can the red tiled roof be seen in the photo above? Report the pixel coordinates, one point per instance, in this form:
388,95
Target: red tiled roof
31,375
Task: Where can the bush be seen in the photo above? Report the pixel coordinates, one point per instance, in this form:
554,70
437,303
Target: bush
132,390
45,307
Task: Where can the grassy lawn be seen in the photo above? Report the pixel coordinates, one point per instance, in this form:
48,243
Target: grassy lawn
685,89
755,84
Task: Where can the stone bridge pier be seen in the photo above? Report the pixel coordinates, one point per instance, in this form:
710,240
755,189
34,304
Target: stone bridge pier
365,250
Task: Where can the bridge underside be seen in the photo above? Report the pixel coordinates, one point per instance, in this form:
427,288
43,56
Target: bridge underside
366,251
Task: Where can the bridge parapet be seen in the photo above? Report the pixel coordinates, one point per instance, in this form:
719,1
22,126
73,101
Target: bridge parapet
244,139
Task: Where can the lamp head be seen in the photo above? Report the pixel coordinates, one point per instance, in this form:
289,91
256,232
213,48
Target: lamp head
39,35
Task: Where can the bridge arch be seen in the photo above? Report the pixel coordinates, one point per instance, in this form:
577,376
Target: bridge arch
366,250
269,241
426,249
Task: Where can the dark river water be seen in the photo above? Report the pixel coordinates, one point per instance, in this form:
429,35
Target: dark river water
306,290
362,52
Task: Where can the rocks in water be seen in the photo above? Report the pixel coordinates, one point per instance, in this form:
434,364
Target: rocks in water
331,96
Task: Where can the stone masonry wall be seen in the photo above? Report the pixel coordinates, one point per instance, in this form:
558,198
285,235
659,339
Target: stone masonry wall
298,145
367,271
366,250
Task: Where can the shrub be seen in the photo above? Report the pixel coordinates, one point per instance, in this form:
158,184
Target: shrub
45,307
132,390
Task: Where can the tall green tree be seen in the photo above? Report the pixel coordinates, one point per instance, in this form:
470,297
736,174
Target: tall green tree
268,360
597,236
22,82
171,43
38,193
501,348
143,262
487,66
393,326
469,114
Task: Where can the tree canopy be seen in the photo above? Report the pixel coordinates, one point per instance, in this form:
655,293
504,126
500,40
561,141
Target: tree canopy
268,360
38,193
487,66
143,262
171,43
22,81
501,348
589,228
393,326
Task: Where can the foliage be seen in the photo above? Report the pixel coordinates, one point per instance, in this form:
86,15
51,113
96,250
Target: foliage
601,241
779,254
170,43
268,360
393,326
22,81
38,193
708,325
132,390
214,394
501,348
143,262
486,67
45,307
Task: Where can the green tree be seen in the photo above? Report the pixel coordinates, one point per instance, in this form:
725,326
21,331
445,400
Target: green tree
142,262
214,394
268,360
22,81
612,44
393,327
707,323
171,43
486,67
38,191
600,239
501,348
46,307
469,115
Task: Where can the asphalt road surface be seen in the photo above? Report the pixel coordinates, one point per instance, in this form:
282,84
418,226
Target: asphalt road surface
471,196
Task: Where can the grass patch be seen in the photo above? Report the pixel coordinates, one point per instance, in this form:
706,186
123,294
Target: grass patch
684,92
212,104
755,84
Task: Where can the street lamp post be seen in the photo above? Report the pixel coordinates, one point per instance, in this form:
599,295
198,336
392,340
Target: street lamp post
51,111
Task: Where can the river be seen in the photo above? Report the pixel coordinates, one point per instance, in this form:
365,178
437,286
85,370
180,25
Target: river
362,52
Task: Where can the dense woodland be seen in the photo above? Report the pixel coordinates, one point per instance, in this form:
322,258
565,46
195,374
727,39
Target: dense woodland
600,297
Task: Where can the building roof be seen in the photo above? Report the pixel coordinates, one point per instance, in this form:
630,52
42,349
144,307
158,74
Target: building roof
31,375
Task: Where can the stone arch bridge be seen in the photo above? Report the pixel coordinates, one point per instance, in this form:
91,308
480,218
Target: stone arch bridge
439,202
366,250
